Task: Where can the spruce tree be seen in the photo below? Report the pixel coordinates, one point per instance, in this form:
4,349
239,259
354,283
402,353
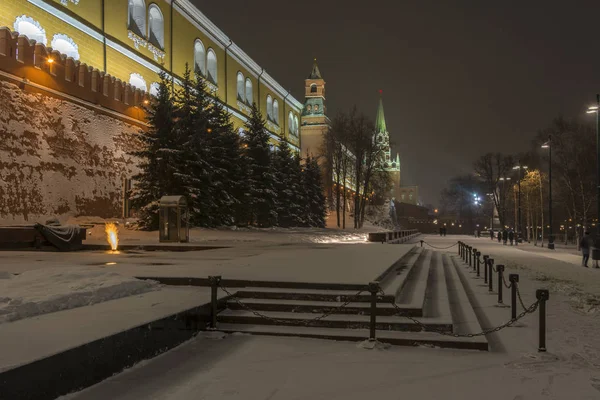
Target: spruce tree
260,180
157,158
300,203
313,187
287,186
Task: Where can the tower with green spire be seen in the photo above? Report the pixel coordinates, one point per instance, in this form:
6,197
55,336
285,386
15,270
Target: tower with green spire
382,137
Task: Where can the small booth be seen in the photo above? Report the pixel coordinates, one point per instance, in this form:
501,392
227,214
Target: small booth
173,220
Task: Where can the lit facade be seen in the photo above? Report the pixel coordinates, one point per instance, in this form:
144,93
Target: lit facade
133,40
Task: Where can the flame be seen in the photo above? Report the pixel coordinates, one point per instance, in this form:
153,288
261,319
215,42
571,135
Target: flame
112,235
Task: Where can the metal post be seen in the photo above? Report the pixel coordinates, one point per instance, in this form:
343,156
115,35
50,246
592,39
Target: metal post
478,262
490,275
470,254
374,289
474,259
485,268
542,295
421,243
598,167
500,269
214,287
514,279
519,230
459,247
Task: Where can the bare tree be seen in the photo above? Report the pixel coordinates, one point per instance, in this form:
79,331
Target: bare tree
491,168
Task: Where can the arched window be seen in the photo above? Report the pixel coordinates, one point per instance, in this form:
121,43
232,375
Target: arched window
313,88
156,26
291,123
211,61
240,86
249,96
269,107
154,87
295,125
137,17
410,196
138,82
276,112
199,58
65,45
31,28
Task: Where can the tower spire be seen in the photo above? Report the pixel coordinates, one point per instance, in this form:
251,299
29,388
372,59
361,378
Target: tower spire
315,73
380,121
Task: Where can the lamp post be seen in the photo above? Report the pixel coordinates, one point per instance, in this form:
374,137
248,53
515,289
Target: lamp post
503,179
548,145
591,110
519,228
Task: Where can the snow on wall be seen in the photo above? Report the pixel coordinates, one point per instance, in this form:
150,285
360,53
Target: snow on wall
60,159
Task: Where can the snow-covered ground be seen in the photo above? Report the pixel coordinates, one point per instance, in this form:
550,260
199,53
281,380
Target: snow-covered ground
253,368
46,290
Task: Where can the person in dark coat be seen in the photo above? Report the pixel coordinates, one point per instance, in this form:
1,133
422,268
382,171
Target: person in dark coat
491,234
499,236
586,245
511,236
504,236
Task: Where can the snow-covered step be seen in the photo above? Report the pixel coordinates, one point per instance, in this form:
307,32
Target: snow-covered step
312,306
308,295
394,281
412,294
398,338
348,321
463,314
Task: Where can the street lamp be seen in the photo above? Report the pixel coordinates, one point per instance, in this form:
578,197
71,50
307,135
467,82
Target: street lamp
592,110
548,145
520,168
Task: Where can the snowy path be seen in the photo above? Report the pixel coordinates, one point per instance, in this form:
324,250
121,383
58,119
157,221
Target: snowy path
257,368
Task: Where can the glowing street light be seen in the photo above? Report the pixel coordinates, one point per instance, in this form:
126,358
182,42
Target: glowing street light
548,145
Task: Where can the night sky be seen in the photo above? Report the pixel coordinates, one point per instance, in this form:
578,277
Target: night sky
460,78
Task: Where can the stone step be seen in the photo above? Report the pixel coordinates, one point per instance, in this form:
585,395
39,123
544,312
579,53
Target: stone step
394,281
414,288
313,306
308,295
463,315
346,321
398,338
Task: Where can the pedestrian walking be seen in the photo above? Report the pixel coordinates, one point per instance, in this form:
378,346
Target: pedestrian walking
586,245
504,236
511,236
491,234
499,236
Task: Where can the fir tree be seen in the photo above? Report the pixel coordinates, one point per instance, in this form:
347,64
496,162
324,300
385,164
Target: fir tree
157,158
287,186
260,180
300,203
313,188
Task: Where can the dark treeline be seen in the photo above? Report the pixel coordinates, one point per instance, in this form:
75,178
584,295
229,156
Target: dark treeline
192,149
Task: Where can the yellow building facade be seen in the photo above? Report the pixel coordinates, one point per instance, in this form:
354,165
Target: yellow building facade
133,40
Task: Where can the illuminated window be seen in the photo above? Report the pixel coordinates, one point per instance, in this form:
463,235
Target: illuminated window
295,131
240,86
199,58
276,112
154,89
156,26
138,82
249,96
291,123
269,107
137,17
31,28
65,45
211,60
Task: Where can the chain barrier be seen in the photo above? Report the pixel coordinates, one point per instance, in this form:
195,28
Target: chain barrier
305,322
440,248
519,296
529,310
505,284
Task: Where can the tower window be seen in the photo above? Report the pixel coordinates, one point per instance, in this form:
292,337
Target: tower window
211,61
199,58
313,88
137,17
156,30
